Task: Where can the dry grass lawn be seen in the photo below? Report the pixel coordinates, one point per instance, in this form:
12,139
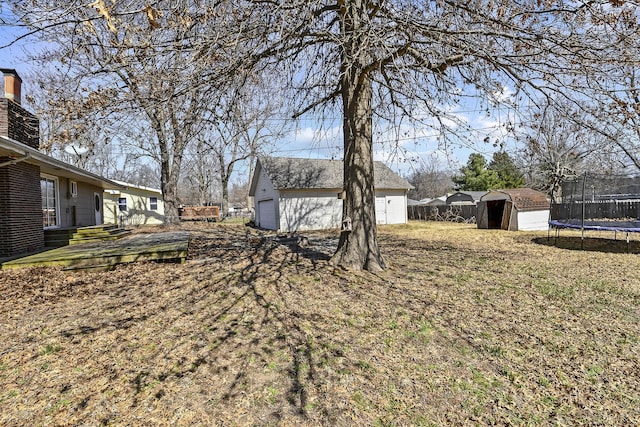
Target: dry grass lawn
466,327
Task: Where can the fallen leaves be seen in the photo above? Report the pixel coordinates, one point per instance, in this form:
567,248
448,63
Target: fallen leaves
465,327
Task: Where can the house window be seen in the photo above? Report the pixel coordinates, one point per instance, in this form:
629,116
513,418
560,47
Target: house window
49,195
153,203
122,204
74,189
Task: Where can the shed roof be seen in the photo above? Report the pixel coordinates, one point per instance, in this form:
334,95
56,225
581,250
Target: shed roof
468,196
524,199
288,173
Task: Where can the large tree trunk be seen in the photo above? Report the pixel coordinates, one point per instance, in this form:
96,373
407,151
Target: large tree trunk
169,175
225,196
358,245
225,175
170,196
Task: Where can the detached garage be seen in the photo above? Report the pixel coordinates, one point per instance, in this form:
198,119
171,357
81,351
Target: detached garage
293,194
517,209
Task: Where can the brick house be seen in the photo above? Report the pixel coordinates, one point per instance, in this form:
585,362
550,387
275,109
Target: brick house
38,192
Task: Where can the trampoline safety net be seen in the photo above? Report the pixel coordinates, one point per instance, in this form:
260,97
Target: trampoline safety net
598,202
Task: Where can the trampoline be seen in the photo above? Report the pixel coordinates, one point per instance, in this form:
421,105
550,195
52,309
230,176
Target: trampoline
603,225
598,203
596,225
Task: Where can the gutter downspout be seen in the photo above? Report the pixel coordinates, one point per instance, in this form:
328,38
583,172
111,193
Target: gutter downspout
15,161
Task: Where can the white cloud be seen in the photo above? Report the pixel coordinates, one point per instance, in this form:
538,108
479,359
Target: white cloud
309,135
503,95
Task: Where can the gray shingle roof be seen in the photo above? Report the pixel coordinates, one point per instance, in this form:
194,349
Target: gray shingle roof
288,173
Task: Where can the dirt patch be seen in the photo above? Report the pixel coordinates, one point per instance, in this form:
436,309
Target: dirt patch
466,326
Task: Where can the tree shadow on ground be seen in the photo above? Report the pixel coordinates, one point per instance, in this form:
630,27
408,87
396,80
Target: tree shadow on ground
590,244
251,318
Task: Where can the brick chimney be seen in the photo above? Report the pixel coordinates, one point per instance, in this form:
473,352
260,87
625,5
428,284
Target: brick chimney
12,85
16,122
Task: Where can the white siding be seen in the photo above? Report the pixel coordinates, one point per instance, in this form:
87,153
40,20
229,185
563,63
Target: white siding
310,210
79,210
321,209
138,207
263,193
533,220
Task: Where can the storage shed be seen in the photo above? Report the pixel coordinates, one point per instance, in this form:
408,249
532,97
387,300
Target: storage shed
515,209
465,198
293,194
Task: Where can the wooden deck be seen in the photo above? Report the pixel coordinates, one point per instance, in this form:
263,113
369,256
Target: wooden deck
166,247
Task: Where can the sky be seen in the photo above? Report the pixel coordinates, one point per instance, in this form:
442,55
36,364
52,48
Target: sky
404,149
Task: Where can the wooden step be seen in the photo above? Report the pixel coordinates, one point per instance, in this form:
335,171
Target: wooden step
98,237
76,235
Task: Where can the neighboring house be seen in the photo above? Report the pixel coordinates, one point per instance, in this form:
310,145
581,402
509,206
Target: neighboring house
293,194
517,209
38,192
133,205
438,202
465,198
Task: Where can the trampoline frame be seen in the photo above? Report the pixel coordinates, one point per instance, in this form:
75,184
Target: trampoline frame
622,226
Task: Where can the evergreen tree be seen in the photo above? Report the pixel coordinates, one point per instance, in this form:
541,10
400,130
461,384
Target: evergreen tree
509,174
476,176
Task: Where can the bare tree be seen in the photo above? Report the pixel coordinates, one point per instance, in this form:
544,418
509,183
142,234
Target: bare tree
242,128
395,60
558,147
409,58
610,101
200,184
126,62
614,110
238,194
430,180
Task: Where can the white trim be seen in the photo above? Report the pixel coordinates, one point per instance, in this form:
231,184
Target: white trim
122,202
138,187
51,164
73,188
56,195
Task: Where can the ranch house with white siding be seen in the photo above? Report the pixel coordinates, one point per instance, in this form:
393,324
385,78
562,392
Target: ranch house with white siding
294,194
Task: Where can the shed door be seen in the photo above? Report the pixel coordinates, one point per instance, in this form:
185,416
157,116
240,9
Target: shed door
381,210
506,216
267,215
481,215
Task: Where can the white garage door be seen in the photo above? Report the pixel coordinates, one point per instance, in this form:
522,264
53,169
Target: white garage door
267,215
381,210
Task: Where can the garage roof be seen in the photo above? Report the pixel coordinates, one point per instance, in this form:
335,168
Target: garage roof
289,173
